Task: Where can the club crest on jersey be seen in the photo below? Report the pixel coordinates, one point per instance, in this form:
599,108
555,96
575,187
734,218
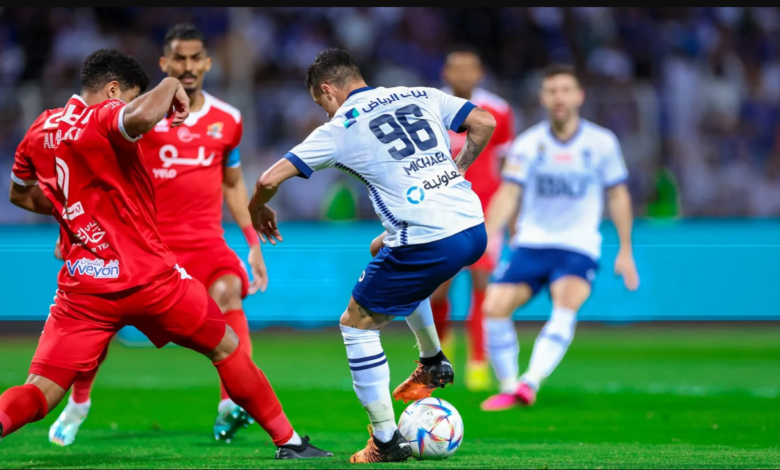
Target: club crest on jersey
95,268
215,130
540,154
586,157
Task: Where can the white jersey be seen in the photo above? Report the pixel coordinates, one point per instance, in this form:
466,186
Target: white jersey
395,141
564,183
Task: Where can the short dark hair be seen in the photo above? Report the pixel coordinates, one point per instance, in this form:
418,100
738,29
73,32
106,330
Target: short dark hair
560,69
106,65
184,32
464,49
333,66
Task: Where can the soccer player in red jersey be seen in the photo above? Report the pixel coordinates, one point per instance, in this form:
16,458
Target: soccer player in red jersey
192,167
117,270
462,73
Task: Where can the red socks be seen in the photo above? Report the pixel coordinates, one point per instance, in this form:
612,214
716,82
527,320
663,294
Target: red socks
20,406
236,319
249,388
474,325
441,317
82,386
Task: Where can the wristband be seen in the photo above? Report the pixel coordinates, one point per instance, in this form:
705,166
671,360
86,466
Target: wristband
251,235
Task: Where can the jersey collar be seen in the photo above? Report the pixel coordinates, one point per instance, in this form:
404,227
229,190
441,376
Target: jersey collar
359,90
193,118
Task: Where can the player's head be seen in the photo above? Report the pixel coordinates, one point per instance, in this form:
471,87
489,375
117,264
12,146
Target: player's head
463,70
108,73
185,56
561,94
331,77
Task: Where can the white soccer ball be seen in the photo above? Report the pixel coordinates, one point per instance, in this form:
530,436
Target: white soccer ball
433,427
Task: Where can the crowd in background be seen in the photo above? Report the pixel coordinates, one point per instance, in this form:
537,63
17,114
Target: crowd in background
692,93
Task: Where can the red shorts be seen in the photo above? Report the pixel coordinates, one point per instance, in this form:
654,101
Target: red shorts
172,308
211,261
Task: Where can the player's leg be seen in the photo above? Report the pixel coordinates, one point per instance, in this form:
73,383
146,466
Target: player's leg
360,329
186,303
73,338
568,293
440,306
477,369
228,290
64,430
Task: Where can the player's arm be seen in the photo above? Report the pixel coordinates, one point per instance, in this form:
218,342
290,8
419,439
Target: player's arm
317,152
614,175
30,198
479,125
503,206
143,113
237,200
619,202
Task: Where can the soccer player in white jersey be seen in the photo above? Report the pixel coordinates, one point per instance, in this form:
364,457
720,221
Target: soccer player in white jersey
560,168
395,141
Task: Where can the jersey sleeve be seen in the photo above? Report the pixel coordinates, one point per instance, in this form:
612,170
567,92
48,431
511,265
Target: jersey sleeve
112,120
516,166
453,110
23,171
613,167
315,153
233,158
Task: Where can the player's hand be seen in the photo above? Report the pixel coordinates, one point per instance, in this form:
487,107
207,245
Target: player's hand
264,221
180,106
57,252
259,273
377,244
494,245
625,266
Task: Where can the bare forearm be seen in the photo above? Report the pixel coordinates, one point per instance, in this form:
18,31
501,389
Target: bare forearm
237,200
262,195
480,125
503,206
622,215
31,199
143,113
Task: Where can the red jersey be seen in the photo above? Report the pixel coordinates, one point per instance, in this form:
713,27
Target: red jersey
485,173
105,199
34,159
186,165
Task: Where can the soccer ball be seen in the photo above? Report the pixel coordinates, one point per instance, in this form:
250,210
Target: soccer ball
433,427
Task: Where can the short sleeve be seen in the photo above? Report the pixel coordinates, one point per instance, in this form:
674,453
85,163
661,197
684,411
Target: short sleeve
453,110
516,165
315,153
112,119
613,167
233,157
23,171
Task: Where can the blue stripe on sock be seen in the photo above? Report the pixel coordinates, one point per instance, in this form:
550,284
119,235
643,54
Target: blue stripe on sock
557,339
366,359
369,366
513,344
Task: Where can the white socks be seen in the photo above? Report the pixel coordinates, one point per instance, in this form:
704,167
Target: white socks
371,379
80,409
421,323
550,346
503,349
295,440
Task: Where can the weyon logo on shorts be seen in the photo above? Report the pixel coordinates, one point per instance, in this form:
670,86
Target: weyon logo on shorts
415,195
96,268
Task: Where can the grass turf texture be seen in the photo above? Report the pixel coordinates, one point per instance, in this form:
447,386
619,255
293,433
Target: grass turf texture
698,396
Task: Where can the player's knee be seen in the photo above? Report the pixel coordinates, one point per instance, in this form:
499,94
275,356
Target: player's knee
497,304
226,292
363,319
570,292
53,392
226,347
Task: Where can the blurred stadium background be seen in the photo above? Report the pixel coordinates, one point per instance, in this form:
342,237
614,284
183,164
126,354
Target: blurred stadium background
692,93
694,97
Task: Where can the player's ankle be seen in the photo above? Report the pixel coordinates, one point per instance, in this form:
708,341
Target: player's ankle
294,441
384,436
433,360
79,408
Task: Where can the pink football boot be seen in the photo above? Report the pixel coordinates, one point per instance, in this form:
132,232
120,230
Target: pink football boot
524,396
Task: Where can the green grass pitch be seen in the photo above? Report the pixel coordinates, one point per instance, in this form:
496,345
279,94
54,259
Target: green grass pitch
687,396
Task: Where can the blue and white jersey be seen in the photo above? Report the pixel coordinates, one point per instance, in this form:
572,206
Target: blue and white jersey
564,183
395,141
